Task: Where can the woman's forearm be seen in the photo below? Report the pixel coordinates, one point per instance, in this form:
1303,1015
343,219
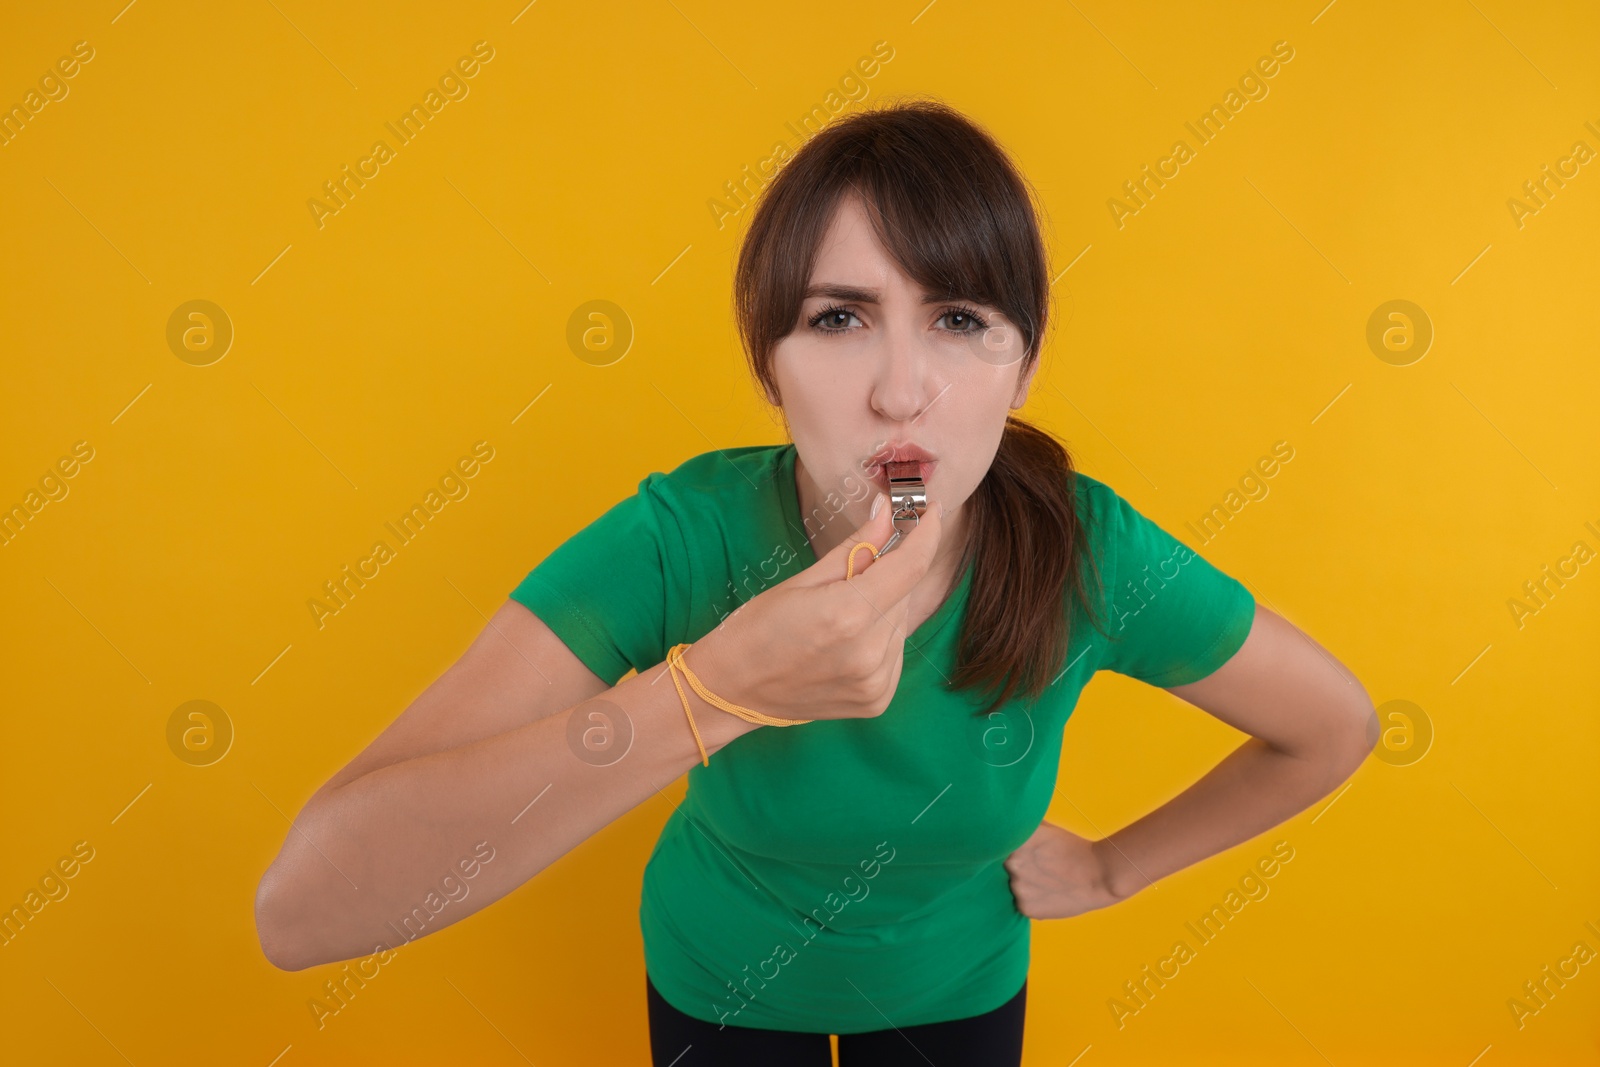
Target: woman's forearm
1253,789
376,851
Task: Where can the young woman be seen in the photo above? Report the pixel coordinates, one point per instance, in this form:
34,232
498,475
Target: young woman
866,859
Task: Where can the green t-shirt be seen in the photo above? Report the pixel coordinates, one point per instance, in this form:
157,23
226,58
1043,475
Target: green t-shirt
847,875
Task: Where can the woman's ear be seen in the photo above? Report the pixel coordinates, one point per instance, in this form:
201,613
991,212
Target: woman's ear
1021,396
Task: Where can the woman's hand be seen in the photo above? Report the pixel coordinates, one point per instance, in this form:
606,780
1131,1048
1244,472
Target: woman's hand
1056,874
819,646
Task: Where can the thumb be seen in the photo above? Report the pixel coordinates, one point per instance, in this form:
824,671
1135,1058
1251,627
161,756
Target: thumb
875,532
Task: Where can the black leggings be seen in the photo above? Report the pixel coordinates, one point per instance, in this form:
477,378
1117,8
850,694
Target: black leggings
993,1039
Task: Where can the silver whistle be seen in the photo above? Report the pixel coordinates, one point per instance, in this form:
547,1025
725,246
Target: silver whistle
908,496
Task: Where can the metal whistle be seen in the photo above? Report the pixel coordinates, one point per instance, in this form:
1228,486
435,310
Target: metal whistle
908,496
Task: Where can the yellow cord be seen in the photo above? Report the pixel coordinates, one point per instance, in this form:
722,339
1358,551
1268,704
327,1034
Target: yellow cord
676,663
850,560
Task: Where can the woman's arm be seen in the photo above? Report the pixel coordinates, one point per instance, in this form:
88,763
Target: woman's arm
481,784
479,765
1312,725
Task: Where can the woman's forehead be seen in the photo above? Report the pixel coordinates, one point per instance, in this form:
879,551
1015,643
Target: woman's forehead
853,264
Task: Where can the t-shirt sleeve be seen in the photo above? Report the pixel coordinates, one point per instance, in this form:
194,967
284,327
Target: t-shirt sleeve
1171,616
603,591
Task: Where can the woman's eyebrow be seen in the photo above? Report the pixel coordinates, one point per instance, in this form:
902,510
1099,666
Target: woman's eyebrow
858,295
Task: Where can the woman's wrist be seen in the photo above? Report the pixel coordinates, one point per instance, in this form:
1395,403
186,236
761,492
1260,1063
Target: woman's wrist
1119,879
717,727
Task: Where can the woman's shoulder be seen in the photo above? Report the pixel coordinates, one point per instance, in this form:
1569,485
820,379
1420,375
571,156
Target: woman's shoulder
1109,518
745,466
1093,497
719,493
1089,485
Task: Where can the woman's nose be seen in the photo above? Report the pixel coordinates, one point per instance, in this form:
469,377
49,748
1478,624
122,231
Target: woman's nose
900,386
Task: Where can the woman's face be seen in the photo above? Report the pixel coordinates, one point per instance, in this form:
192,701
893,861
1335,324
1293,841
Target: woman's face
874,362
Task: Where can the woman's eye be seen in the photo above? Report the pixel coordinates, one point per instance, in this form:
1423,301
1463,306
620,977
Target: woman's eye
833,320
839,319
963,321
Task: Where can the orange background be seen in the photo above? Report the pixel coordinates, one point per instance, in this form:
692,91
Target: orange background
370,352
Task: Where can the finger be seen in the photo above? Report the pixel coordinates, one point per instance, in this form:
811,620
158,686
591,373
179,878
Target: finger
893,576
832,566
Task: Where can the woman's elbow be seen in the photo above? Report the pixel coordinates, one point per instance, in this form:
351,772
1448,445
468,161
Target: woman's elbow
281,937
1338,738
1356,737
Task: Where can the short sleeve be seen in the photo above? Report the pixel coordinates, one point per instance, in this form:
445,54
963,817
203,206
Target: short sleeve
603,591
1171,616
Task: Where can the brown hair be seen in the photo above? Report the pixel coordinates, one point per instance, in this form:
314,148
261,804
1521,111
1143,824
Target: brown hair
956,214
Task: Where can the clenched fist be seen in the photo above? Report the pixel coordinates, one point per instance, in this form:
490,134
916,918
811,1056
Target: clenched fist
1056,874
